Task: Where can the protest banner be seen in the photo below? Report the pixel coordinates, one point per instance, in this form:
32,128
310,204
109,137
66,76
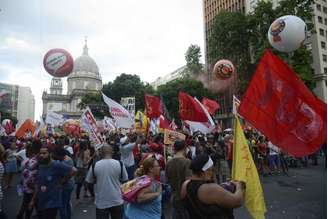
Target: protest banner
171,136
89,125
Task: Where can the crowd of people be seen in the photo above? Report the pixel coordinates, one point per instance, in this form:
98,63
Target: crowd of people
191,176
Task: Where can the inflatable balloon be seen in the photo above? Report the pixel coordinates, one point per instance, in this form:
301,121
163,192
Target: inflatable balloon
58,62
287,33
223,69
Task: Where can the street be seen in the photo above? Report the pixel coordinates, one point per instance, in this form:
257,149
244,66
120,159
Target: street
302,195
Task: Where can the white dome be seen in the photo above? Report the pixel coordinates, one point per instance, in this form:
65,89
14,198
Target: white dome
85,65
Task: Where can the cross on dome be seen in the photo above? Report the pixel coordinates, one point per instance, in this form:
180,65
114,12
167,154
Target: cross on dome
85,48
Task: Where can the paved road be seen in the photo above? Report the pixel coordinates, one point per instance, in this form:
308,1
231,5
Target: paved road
300,195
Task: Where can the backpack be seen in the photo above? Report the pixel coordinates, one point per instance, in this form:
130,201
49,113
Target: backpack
131,188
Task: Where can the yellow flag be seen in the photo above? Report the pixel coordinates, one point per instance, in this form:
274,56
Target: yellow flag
244,169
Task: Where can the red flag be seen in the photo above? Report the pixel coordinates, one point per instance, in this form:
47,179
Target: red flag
279,105
164,123
210,105
190,110
27,126
153,106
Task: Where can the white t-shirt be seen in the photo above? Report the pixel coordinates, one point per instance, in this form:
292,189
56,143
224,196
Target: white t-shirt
107,188
127,154
273,149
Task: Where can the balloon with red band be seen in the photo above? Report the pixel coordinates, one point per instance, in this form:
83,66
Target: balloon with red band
58,62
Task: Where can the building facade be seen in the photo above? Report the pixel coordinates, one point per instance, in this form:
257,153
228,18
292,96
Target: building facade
169,77
210,9
85,78
318,48
17,101
9,99
25,105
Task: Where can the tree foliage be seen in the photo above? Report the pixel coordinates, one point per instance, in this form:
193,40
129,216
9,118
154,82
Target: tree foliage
243,39
124,85
192,57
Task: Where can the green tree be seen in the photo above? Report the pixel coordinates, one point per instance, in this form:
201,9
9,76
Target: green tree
170,92
243,39
124,85
259,24
95,103
230,40
192,57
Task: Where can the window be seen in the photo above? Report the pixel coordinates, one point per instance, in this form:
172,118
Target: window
320,19
318,7
323,45
324,57
322,32
324,9
325,70
325,21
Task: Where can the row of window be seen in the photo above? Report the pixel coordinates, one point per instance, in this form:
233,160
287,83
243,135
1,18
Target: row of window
324,8
322,32
320,20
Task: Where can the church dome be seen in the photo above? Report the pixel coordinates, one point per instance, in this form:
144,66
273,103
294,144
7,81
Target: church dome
84,64
85,74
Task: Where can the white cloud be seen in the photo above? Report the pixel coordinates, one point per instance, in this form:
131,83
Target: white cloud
143,37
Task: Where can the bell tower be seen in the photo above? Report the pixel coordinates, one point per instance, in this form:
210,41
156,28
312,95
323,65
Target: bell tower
56,86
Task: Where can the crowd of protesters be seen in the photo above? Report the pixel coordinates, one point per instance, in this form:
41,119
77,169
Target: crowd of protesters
193,176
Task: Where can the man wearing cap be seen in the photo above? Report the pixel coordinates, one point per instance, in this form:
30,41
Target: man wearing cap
177,171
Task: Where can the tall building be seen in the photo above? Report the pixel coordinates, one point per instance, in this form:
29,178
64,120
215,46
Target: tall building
318,47
25,106
17,101
85,78
9,99
210,9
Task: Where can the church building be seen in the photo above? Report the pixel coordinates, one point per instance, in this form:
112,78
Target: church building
85,78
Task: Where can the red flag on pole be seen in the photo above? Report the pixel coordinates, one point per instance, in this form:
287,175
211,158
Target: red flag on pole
211,105
153,106
280,106
190,110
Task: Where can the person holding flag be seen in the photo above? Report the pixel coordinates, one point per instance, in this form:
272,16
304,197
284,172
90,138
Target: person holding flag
205,199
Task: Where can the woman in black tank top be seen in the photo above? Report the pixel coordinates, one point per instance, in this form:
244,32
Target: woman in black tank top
204,199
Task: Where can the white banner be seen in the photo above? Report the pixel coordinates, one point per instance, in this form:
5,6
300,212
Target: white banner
109,123
54,119
89,124
122,117
203,127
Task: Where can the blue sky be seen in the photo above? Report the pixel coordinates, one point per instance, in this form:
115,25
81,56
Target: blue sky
144,37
